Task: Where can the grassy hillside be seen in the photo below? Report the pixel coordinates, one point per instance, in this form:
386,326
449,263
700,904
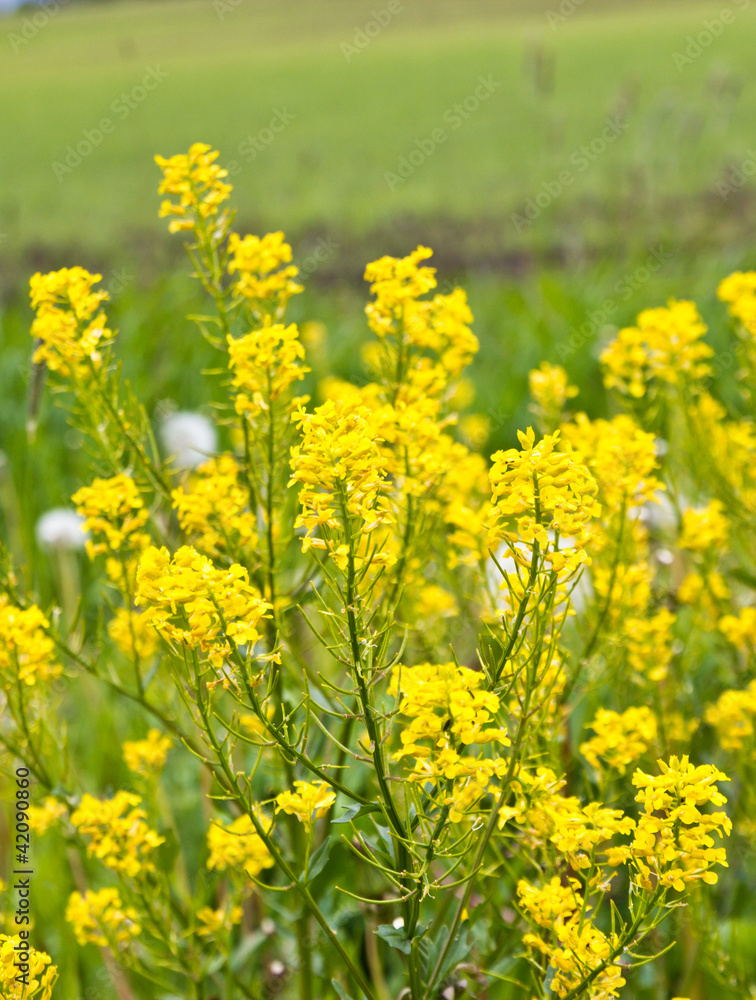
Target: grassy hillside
350,113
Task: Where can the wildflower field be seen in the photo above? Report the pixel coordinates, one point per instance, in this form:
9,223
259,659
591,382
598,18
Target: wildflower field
379,627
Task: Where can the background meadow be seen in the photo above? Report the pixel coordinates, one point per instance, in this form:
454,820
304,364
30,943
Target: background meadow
321,122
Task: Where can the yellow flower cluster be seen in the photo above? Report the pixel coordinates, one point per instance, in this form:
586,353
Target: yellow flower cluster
258,263
621,738
264,364
666,345
579,948
550,391
541,489
705,529
114,514
117,833
197,181
132,634
238,846
26,650
549,819
740,629
147,757
395,282
644,634
620,455
101,918
193,603
215,923
69,326
43,817
213,508
449,709
42,973
343,475
414,325
307,802
739,292
733,716
730,445
672,844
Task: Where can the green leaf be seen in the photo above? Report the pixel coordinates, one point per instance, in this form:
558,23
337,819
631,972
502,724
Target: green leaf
355,811
395,936
340,990
459,950
319,860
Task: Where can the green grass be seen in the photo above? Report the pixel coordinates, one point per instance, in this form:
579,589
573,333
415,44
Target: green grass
325,173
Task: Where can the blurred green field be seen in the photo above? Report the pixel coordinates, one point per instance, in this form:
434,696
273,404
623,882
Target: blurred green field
223,69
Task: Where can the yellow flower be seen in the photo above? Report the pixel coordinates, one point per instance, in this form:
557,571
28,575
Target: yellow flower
238,846
44,817
68,326
101,918
739,291
261,276
193,603
197,181
147,756
407,325
621,457
554,901
579,948
733,716
307,802
740,629
214,923
673,843
448,709
114,513
264,364
705,529
621,739
213,508
132,634
665,346
26,651
550,390
475,429
117,833
42,973
540,489
343,475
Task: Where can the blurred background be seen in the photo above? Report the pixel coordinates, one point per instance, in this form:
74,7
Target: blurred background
570,161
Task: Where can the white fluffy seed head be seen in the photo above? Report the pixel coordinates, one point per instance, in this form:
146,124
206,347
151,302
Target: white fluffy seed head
188,438
61,528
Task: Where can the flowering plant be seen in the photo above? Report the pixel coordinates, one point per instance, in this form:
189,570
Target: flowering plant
455,727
